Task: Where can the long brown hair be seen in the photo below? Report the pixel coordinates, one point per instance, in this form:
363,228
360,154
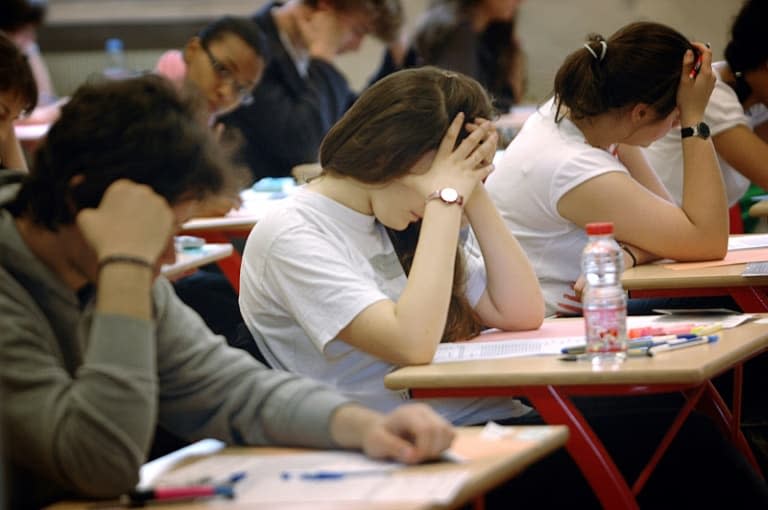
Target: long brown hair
640,63
393,124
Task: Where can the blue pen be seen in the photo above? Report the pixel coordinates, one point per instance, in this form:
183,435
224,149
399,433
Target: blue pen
332,475
635,343
683,343
236,477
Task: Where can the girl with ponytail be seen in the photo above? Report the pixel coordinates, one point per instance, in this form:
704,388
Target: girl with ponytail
578,160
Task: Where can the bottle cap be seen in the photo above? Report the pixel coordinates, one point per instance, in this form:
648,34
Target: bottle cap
113,44
596,229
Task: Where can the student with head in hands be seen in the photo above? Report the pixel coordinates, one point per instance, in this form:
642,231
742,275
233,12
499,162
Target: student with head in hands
303,92
224,62
95,347
736,114
363,269
578,160
18,97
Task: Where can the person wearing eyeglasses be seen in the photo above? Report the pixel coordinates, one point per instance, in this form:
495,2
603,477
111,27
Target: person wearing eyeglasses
303,92
224,61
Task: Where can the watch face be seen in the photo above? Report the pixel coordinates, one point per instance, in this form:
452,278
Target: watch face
703,130
449,195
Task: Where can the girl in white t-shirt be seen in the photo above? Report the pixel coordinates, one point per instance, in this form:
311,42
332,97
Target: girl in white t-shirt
736,114
577,160
362,270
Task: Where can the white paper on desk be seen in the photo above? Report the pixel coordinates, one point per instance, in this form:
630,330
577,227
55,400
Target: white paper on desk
263,482
747,242
466,351
726,320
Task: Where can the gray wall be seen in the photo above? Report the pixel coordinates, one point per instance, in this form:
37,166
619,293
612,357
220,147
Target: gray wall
549,29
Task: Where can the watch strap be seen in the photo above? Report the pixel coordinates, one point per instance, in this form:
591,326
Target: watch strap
439,194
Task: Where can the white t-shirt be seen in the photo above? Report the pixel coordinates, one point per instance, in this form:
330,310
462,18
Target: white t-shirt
723,112
543,163
312,266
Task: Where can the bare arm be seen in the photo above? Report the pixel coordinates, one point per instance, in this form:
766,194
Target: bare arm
512,299
746,152
131,220
641,171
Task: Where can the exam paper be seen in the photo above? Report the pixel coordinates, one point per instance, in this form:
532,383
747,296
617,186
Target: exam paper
465,351
748,242
264,481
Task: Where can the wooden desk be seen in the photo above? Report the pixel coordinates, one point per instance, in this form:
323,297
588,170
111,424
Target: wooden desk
549,383
235,225
655,280
188,260
487,469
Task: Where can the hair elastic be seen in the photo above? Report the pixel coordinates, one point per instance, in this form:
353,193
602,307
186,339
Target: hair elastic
603,49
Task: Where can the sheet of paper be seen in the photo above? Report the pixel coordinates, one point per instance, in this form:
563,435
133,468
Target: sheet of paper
465,351
553,336
273,478
747,242
727,320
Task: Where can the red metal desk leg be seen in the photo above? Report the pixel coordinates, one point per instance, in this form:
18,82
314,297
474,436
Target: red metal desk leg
750,299
693,399
230,266
715,407
584,447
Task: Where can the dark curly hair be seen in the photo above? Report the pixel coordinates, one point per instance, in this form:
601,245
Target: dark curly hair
140,129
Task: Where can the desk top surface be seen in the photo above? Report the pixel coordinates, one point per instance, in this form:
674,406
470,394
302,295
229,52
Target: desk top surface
187,260
490,463
657,276
685,366
255,206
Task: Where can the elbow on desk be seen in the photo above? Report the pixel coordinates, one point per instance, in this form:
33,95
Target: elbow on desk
99,467
712,250
105,478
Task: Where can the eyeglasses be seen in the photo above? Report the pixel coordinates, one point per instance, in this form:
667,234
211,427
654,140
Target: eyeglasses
243,92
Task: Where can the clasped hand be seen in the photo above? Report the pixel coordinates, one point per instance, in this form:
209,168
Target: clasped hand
460,167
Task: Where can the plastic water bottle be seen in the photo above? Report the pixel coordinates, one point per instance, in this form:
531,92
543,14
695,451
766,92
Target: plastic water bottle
604,300
114,66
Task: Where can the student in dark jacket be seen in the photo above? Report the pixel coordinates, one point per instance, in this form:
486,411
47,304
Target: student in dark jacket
302,93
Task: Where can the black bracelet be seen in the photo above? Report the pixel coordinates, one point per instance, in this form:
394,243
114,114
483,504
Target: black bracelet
125,259
631,255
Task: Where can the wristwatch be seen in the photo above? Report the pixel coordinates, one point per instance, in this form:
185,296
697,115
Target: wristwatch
447,195
701,130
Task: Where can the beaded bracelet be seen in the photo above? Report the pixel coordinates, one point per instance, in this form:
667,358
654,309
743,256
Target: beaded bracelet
125,259
629,252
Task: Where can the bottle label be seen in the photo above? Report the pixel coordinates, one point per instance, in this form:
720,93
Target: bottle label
606,329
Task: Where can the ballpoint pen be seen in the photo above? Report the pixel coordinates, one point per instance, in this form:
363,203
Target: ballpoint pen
635,343
688,342
332,475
